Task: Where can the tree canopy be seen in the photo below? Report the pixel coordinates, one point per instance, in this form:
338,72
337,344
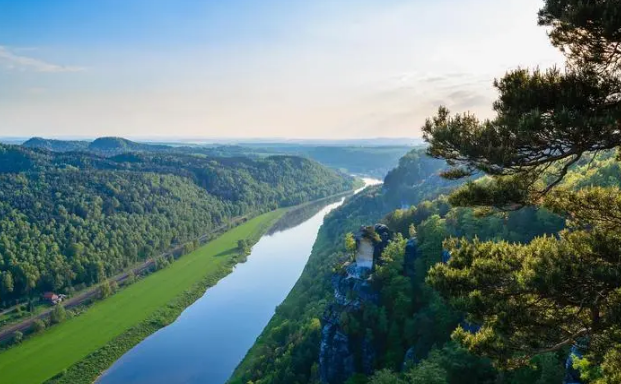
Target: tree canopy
546,120
556,291
73,219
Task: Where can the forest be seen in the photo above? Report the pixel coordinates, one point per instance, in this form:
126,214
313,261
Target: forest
288,349
70,220
510,273
412,315
368,160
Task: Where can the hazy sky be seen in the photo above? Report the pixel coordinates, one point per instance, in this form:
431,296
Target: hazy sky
255,68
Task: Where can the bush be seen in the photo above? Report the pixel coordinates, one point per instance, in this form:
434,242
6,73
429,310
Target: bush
188,247
38,326
243,247
58,314
161,263
105,289
17,337
131,278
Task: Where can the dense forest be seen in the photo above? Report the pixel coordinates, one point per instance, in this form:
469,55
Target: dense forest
412,324
68,220
287,351
369,160
373,161
513,276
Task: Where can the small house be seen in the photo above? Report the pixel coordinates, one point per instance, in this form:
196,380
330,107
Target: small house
51,298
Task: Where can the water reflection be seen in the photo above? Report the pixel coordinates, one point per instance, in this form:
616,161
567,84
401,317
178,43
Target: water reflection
211,337
298,215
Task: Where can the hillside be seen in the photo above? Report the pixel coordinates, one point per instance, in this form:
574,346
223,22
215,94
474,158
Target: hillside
296,322
409,325
72,219
370,160
56,145
102,146
121,145
373,161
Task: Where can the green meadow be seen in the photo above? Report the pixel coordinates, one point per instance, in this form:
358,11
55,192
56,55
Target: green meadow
96,338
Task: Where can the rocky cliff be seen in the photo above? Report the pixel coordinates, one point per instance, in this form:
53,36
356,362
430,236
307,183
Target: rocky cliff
342,355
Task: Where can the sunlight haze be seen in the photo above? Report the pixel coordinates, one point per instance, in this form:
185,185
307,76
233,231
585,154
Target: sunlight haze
245,68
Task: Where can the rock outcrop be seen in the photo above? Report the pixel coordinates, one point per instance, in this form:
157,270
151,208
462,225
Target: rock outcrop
336,359
352,289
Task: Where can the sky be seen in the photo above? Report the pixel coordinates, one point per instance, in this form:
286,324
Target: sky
256,68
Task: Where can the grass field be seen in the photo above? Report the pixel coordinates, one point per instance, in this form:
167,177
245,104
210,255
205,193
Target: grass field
41,357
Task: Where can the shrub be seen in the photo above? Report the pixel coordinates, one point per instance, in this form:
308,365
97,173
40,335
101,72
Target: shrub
38,326
58,314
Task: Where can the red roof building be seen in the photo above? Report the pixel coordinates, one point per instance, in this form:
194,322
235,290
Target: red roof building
51,297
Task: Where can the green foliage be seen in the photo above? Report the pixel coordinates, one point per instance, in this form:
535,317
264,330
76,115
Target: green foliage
350,244
38,325
543,369
58,315
427,372
374,161
587,31
542,297
243,247
569,111
131,277
105,290
611,367
385,376
188,247
547,120
88,344
288,348
17,337
56,145
416,178
72,219
411,314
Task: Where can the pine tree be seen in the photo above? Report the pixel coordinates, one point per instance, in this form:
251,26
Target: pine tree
555,291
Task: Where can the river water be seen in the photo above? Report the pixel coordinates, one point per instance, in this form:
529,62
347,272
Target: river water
211,337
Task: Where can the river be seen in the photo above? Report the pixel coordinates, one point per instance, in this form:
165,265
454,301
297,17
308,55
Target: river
212,336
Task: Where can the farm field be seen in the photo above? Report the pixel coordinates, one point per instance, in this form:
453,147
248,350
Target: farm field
41,357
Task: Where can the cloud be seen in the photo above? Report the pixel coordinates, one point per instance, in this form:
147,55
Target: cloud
18,62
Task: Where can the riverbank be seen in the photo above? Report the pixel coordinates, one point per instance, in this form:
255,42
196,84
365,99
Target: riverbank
80,349
88,295
205,343
292,336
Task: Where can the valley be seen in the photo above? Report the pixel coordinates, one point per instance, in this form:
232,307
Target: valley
212,335
108,328
310,192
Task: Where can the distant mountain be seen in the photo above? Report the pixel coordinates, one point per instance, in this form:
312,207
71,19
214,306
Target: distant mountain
369,160
104,146
121,145
56,145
